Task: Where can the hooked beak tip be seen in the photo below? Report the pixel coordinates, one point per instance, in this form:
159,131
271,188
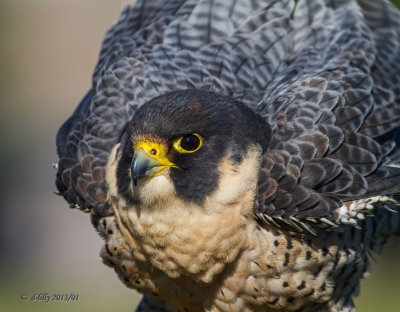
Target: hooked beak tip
139,166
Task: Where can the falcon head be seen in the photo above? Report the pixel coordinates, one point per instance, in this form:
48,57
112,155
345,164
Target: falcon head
183,179
179,144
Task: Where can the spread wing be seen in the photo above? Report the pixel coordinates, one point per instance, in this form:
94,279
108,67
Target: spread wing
232,47
336,115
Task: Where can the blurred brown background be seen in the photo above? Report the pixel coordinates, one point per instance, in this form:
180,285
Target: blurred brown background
47,54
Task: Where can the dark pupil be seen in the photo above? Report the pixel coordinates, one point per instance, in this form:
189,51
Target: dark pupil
190,142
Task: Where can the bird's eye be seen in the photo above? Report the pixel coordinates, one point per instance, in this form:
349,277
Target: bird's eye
189,143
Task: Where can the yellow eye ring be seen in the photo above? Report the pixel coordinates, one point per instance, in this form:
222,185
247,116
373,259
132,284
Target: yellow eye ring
189,143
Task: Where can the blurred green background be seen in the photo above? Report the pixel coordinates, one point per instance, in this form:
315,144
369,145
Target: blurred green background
47,54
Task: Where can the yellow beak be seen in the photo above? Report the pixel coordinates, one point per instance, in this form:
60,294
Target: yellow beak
149,159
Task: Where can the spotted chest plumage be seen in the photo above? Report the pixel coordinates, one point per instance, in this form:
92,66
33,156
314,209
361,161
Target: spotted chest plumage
274,271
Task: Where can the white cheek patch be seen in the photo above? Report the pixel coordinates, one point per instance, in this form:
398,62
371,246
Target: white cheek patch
237,179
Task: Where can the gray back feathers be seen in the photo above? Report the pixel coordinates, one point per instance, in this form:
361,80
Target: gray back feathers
325,74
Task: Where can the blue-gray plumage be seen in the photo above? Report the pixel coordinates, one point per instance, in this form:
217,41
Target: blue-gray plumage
241,155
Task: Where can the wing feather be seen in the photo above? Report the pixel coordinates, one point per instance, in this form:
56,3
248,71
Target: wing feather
325,75
339,76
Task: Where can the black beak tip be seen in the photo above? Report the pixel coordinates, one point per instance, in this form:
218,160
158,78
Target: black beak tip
139,167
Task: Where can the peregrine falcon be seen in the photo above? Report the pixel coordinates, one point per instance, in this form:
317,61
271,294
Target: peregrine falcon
241,155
